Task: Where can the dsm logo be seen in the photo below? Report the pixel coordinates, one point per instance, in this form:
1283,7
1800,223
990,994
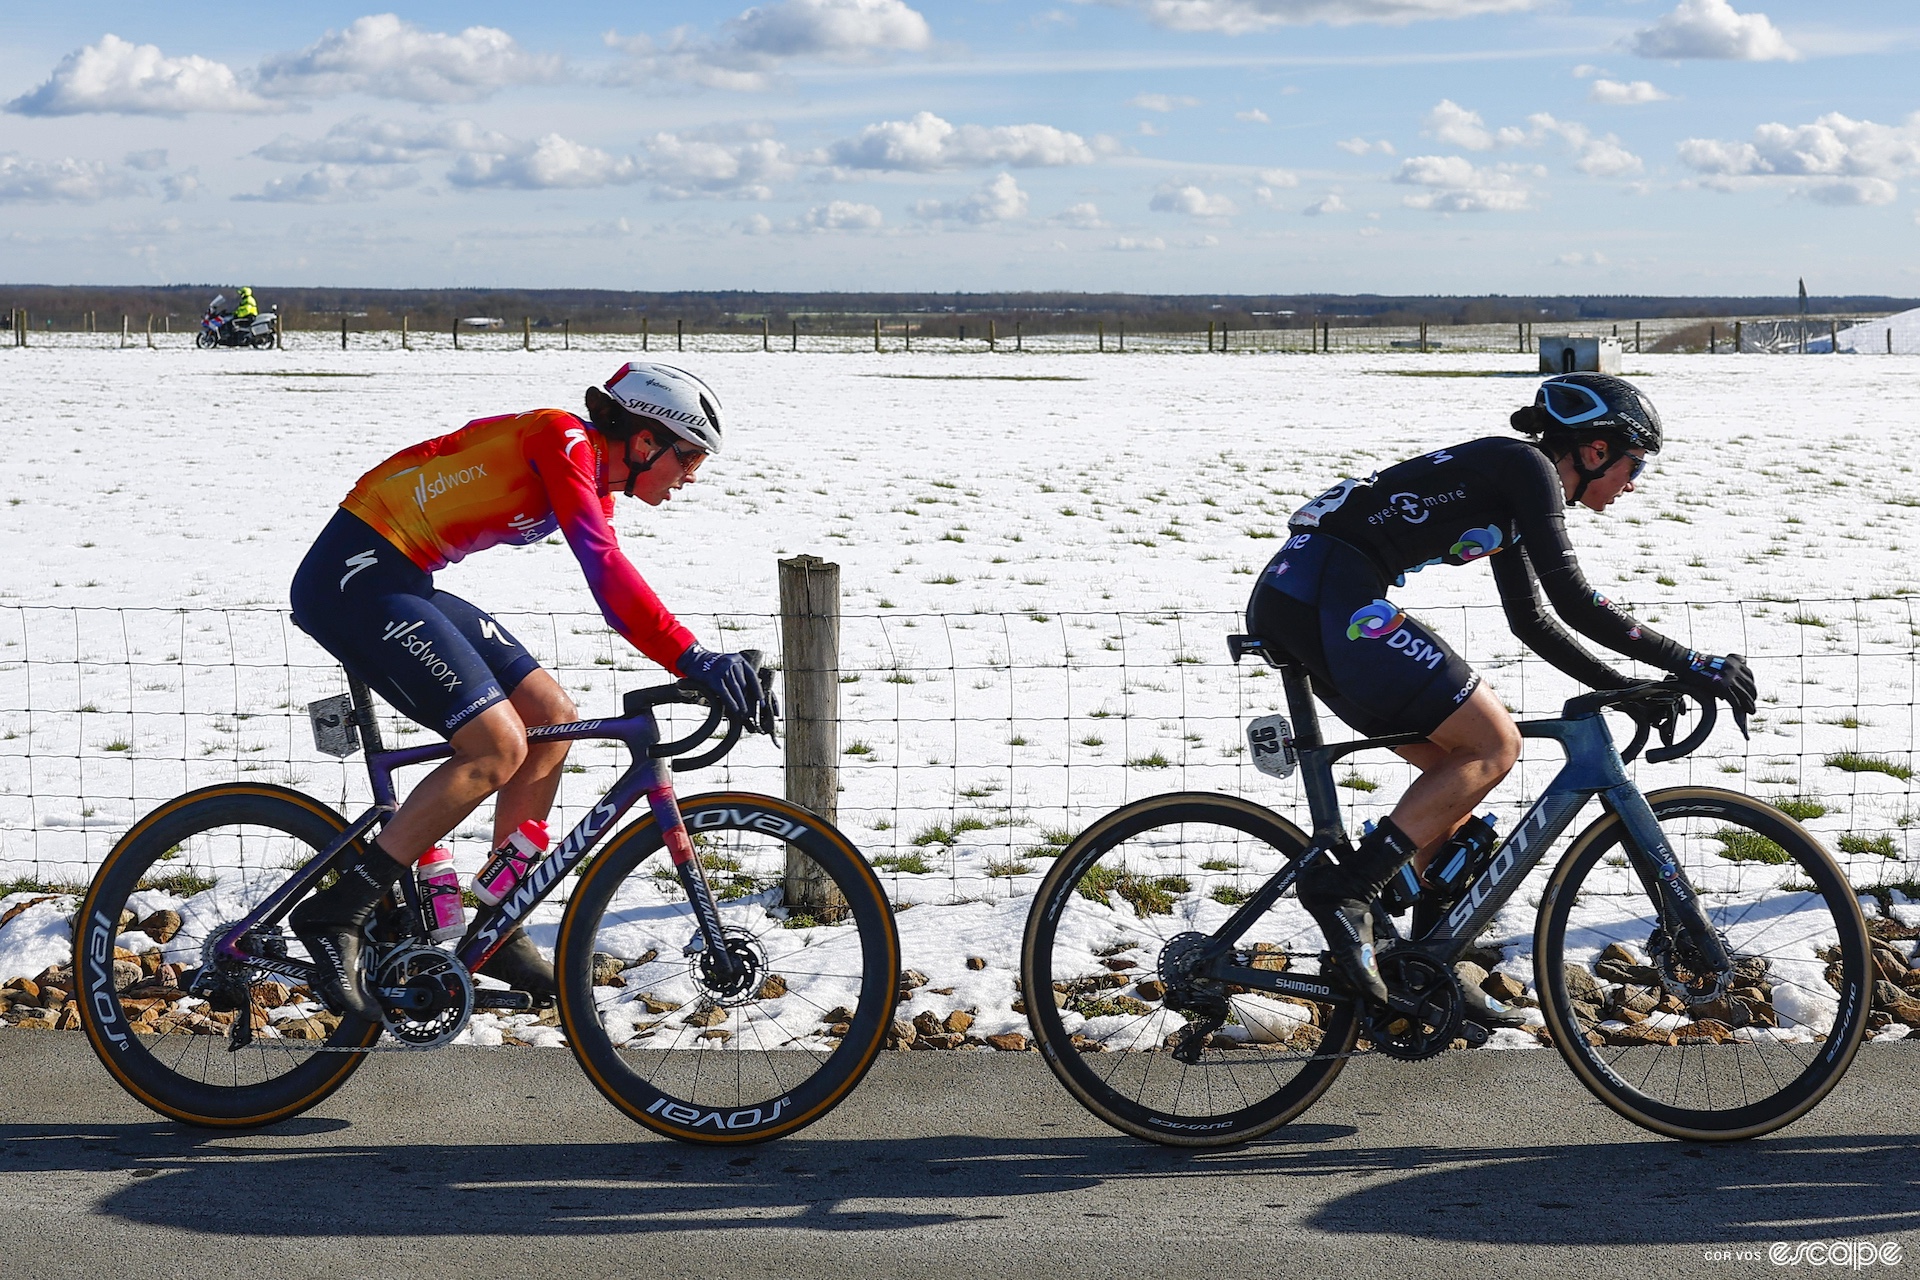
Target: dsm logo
1475,543
1373,621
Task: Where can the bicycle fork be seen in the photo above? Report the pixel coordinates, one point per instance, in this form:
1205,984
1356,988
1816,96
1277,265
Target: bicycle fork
720,963
1675,901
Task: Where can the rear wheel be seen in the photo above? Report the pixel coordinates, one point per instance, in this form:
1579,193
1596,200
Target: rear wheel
765,1053
1129,892
1657,1036
145,929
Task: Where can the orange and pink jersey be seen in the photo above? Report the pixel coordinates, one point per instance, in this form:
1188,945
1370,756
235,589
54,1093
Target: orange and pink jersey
516,479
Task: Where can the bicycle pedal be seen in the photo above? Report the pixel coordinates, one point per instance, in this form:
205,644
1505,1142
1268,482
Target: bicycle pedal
520,1001
1473,1033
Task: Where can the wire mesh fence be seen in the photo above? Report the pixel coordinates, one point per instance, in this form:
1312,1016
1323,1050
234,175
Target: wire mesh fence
971,746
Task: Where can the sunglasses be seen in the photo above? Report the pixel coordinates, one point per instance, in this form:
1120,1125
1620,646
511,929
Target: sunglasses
690,458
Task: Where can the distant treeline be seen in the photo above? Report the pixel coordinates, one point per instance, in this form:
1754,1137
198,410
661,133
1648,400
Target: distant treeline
603,310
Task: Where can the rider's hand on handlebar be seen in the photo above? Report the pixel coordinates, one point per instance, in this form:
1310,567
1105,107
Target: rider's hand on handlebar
731,679
1727,678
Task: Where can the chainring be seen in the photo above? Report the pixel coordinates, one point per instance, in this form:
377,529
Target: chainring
437,999
1439,1003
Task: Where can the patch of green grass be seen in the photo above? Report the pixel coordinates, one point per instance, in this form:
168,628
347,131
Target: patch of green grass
1262,533
1358,782
1855,762
1846,722
1228,896
941,834
1093,740
943,580
1882,845
1748,846
857,748
1219,864
1153,761
118,744
1149,895
1800,808
906,864
183,884
28,884
1002,867
1053,841
1807,619
1017,740
899,677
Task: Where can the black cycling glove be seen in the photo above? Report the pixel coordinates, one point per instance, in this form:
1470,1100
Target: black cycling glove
728,677
1727,678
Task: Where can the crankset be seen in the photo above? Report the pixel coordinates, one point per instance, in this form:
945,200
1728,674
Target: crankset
426,993
1428,1011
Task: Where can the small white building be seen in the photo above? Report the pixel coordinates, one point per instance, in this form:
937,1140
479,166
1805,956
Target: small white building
1571,353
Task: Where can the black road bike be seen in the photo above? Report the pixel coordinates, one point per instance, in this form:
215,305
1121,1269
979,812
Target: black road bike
1700,961
730,992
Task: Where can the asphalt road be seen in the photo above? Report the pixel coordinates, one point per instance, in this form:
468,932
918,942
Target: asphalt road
505,1162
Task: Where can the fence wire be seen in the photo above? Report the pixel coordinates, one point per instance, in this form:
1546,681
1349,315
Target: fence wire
972,746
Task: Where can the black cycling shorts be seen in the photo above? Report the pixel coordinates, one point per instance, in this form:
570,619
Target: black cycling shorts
437,658
1323,603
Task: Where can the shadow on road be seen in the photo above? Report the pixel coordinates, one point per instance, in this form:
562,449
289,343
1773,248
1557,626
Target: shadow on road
1651,1192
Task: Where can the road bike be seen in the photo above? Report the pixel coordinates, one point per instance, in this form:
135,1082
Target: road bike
1699,960
731,992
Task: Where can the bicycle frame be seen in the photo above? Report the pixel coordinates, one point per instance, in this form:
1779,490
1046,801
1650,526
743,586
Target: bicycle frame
1593,768
649,775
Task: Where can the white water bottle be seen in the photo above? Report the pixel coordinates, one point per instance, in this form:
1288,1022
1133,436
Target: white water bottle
439,885
509,864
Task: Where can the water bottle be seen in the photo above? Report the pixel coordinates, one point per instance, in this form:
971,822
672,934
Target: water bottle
444,917
508,865
1457,862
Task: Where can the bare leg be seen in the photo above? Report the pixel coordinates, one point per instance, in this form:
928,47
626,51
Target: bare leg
538,699
487,752
1469,755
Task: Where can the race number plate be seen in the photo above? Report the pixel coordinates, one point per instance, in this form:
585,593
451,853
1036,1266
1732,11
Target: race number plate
1270,739
333,729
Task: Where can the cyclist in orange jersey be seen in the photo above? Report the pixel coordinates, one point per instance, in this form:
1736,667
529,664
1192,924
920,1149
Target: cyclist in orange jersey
365,592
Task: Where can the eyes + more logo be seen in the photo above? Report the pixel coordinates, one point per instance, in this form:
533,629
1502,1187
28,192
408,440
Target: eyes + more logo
1475,543
1373,621
1408,505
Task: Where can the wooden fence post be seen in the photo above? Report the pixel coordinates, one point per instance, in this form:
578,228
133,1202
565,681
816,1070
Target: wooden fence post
795,335
566,335
645,325
810,667
992,337
1103,333
526,333
1889,339
1209,337
343,333
1713,339
906,327
1833,337
679,335
1636,337
1017,336
876,335
276,332
405,345
1739,327
126,327
1520,336
1123,336
1423,337
765,333
456,333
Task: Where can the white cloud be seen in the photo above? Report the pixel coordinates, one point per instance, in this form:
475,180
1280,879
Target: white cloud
1578,259
543,164
748,51
388,57
1253,115
758,224
1084,216
1614,93
1854,161
1150,130
1586,71
1712,29
136,79
1360,146
333,184
1161,102
1192,201
364,140
181,186
1130,244
686,166
1329,203
75,181
1237,17
927,142
146,161
1278,178
998,200
1457,185
843,215
1456,126
1606,158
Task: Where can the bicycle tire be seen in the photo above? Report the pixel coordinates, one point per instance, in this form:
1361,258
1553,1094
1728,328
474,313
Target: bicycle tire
746,1066
1112,1055
209,856
1697,1069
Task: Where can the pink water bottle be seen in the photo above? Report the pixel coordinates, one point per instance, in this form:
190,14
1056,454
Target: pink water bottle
509,864
439,883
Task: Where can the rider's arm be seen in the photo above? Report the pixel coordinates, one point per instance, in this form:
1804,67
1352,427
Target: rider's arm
1536,628
1539,513
568,469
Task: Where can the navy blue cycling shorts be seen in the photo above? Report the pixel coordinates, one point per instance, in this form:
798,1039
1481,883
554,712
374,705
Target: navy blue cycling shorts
1323,603
437,658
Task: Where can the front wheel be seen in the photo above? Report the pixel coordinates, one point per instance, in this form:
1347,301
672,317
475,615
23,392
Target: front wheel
168,889
771,1048
205,340
1665,1040
1123,898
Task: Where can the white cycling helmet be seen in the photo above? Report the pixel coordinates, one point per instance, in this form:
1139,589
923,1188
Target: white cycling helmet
671,397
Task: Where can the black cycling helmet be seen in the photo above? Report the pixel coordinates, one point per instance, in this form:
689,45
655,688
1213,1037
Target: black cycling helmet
1589,404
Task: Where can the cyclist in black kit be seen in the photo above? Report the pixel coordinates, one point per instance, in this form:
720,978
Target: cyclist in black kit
1322,601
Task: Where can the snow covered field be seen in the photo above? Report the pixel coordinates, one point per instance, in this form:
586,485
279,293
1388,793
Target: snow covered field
1040,556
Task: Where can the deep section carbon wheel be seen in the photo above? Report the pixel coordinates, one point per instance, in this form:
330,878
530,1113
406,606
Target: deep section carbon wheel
1669,1042
1105,972
780,1039
163,1020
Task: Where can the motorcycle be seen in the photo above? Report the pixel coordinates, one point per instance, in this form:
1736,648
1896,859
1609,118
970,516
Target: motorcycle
220,329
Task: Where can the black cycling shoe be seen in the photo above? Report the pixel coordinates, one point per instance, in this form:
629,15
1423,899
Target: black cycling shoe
519,964
1339,896
333,923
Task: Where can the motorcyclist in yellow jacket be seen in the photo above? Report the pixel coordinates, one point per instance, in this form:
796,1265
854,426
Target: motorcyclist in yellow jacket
247,309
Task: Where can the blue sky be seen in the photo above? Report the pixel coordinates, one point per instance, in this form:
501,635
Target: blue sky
1397,146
